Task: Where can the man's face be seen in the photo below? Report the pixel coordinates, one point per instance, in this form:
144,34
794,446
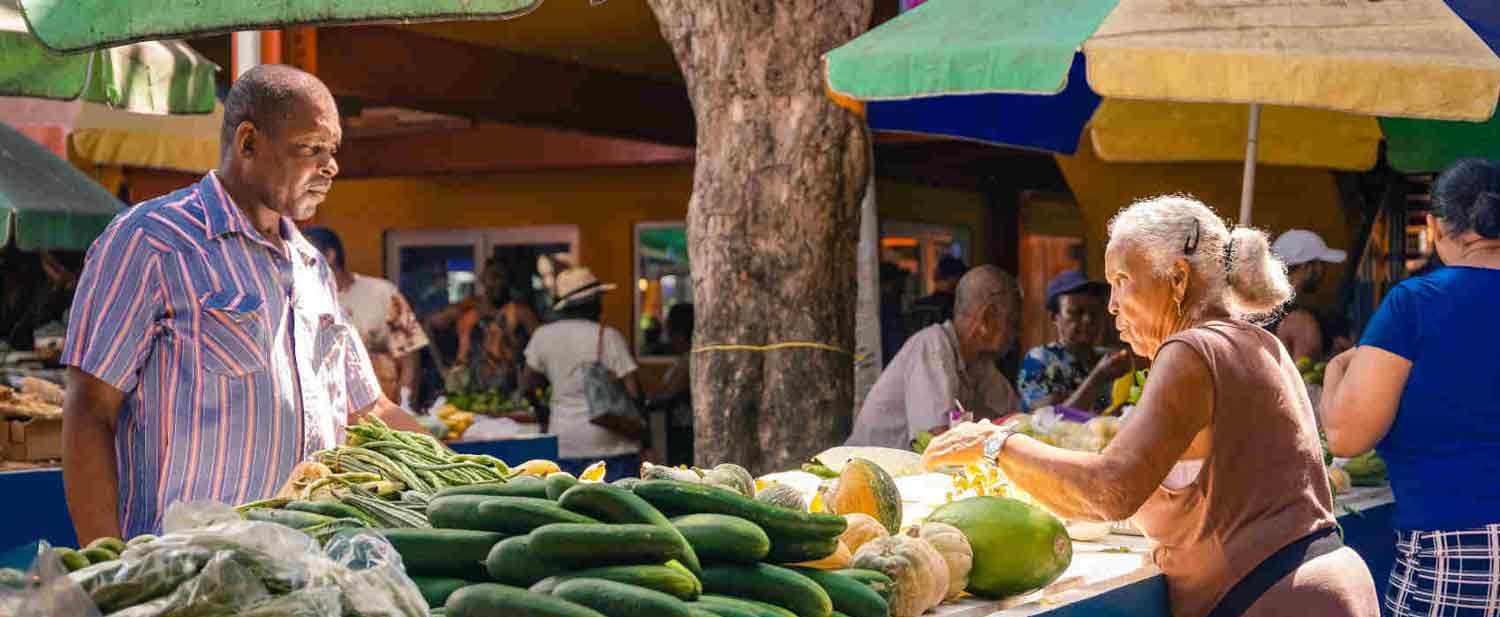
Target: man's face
291,166
1079,319
1002,325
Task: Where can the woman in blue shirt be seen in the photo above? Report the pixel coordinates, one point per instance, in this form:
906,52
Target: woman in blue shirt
1423,388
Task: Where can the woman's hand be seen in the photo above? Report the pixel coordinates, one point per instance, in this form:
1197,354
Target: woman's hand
960,445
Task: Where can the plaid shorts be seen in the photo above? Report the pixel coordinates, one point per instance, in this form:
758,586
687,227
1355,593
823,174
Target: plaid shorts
1446,574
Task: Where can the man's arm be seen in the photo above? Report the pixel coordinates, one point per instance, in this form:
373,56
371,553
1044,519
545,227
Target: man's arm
90,483
1300,333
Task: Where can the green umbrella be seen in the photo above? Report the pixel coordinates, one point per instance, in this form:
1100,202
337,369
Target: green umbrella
47,201
75,25
1431,145
157,77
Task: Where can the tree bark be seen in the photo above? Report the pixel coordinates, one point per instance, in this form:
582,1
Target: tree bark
772,224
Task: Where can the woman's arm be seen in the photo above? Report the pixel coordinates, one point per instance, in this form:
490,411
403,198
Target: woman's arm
1176,405
1361,390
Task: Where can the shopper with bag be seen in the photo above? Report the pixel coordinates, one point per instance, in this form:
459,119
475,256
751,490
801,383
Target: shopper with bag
594,389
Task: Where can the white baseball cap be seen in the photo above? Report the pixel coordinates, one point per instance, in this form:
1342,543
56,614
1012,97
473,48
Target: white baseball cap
1299,246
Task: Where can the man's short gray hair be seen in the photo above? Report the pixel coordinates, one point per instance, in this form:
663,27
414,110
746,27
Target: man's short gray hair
985,285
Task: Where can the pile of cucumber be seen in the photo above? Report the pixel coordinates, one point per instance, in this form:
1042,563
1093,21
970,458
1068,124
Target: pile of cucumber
98,551
555,547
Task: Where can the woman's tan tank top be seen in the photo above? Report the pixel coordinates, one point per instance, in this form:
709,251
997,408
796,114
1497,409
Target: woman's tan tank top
1262,485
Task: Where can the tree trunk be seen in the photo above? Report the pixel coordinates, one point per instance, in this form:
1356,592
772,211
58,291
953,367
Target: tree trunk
772,224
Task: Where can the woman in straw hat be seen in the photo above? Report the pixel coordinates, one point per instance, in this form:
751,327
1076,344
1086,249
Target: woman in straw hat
563,353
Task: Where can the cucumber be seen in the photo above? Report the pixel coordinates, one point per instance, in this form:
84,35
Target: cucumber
612,504
673,497
455,511
491,600
436,589
678,583
697,610
718,609
518,515
98,554
512,562
754,607
520,486
724,538
770,584
621,600
71,560
849,596
335,509
798,551
289,518
144,538
558,482
574,545
876,580
457,553
697,584
113,545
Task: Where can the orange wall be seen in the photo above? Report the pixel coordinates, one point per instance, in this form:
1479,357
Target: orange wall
604,204
1285,198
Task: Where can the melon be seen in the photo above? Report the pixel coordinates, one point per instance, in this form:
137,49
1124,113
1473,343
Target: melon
782,495
866,488
1018,548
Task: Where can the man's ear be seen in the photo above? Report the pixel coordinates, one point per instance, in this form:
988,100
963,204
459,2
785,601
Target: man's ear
246,139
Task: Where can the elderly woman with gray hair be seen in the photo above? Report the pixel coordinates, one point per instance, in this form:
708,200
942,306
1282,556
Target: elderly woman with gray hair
1220,462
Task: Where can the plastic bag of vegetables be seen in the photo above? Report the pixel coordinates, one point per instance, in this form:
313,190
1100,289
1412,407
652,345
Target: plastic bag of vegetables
43,589
250,568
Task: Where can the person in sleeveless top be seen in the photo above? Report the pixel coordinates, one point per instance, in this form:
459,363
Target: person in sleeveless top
1422,390
1220,462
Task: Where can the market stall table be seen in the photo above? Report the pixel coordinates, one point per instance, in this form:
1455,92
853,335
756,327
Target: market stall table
1114,577
40,512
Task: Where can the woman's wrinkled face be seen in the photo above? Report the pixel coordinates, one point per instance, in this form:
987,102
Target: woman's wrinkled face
1141,298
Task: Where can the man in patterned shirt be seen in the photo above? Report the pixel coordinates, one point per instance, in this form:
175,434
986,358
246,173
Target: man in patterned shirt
207,352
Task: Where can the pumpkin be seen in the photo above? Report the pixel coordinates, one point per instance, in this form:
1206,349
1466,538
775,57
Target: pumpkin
917,571
730,476
865,488
783,495
663,472
951,544
839,560
862,529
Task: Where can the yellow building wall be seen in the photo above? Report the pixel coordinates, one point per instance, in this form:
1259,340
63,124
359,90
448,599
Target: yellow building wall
1285,198
604,204
917,203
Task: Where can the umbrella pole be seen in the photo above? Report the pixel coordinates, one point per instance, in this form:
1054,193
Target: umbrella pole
1247,186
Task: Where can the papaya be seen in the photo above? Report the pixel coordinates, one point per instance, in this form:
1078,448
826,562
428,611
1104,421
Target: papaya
1018,548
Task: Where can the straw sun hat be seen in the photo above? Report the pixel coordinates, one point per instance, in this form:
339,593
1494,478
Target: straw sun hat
576,285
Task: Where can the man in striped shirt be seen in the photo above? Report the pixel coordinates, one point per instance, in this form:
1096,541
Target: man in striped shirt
207,351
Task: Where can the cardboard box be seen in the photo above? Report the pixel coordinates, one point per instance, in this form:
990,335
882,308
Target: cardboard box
32,440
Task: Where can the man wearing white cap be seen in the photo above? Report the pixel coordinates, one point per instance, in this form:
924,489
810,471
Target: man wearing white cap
567,354
1304,254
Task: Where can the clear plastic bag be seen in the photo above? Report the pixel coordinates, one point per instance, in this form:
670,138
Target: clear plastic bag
45,589
212,563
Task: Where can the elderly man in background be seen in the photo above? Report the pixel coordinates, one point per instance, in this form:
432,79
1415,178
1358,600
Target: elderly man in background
947,365
207,352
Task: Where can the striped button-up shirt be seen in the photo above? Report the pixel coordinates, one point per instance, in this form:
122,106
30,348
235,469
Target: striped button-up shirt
233,353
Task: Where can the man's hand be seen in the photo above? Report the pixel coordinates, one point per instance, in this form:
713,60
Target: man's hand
1114,366
393,415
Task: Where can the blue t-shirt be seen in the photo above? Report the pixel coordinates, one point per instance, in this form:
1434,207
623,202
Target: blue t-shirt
1443,451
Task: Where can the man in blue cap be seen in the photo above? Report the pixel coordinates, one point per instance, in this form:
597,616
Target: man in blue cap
1073,371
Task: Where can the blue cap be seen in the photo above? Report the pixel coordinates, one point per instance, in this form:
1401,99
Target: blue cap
1069,282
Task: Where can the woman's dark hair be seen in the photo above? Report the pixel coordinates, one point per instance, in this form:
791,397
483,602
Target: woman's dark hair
1467,197
591,309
